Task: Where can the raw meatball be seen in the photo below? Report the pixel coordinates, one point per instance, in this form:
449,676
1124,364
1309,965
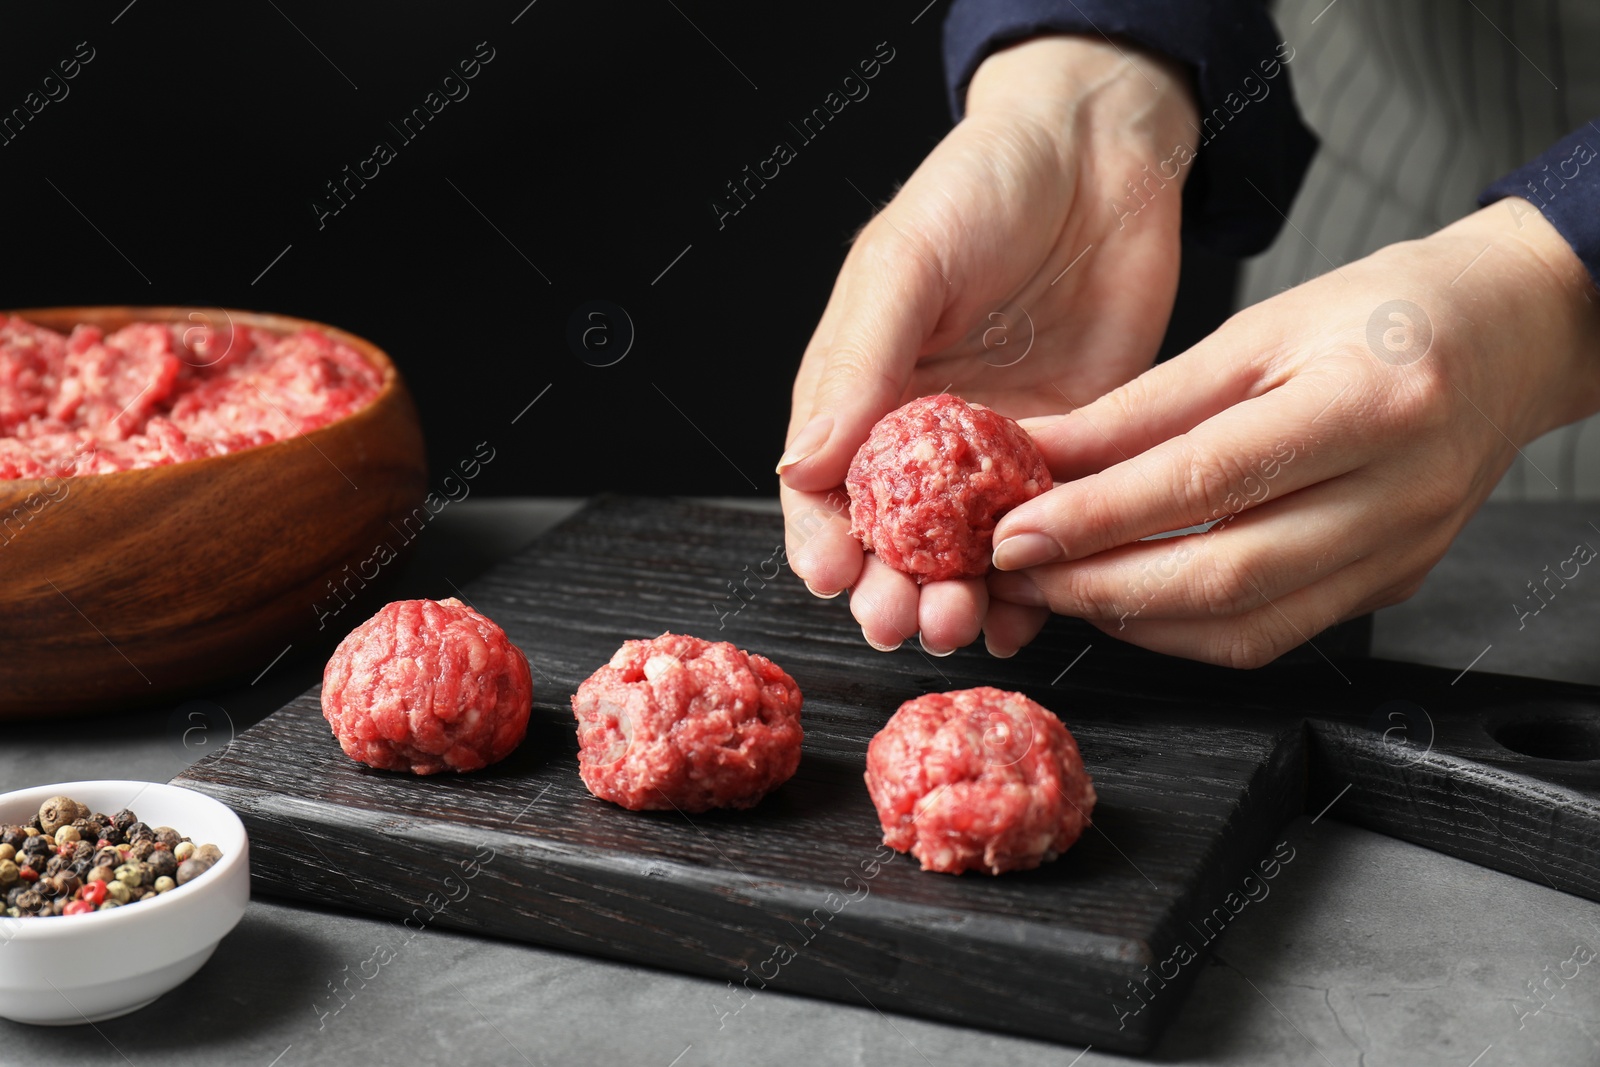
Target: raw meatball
427,686
683,723
932,480
978,780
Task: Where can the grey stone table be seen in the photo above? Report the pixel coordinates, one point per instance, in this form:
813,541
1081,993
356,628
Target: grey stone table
1367,951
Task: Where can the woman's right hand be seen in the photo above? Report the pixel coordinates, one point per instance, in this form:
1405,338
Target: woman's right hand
1029,264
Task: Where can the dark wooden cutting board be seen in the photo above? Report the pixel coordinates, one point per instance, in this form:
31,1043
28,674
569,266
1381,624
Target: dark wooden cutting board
1198,769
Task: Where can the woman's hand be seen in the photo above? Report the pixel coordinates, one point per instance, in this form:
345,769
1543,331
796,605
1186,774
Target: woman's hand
1029,264
1339,435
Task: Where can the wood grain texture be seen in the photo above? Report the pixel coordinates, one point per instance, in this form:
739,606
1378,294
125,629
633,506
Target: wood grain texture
1197,769
135,586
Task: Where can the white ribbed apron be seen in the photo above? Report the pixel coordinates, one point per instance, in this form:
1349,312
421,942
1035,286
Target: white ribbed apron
1420,104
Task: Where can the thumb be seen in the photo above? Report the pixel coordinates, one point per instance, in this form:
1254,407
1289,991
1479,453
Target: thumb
885,305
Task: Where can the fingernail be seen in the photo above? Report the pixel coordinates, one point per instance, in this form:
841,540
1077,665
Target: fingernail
1025,550
812,436
988,644
941,653
1039,422
821,595
880,648
1017,589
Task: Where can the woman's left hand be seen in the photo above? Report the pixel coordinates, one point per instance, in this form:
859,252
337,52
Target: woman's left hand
1339,435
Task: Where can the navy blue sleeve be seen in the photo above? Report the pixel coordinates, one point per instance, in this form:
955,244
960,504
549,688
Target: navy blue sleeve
1254,149
1564,184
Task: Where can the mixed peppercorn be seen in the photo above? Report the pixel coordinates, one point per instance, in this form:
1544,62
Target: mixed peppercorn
69,861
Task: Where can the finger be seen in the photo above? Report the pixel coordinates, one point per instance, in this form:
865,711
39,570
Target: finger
1260,636
1169,399
884,602
1008,627
1266,446
886,303
1238,565
820,550
950,614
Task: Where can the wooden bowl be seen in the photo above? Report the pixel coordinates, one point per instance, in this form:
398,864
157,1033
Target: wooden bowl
131,587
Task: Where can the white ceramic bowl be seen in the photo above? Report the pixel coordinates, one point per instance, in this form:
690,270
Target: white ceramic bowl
69,969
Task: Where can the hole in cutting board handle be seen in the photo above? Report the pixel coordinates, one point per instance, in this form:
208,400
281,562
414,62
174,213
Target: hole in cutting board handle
1558,731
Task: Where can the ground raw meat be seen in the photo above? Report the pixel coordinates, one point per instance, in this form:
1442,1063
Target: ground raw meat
978,780
932,480
683,723
427,686
156,393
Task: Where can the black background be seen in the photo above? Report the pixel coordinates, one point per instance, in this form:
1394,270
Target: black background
189,152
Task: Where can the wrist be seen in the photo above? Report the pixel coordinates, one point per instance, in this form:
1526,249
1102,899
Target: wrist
1540,304
1090,88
